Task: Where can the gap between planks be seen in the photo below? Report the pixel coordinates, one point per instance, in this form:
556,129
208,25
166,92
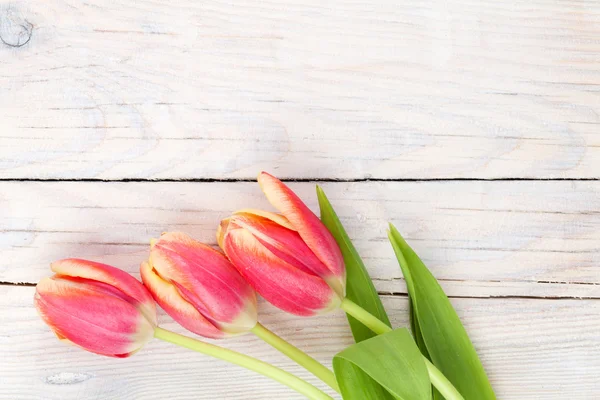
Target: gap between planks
405,294
550,286
306,180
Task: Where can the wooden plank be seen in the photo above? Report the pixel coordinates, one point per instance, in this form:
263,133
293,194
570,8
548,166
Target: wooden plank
532,349
480,239
440,89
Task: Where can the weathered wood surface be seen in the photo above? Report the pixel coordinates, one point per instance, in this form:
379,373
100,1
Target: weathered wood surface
479,238
534,242
157,90
307,89
533,349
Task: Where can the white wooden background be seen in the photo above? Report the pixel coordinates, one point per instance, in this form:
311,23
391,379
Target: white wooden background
473,125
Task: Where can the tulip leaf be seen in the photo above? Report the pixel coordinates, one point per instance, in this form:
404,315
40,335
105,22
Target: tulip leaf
354,383
416,331
359,287
436,322
389,366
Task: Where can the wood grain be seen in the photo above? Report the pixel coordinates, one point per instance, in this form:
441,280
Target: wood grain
532,349
350,91
480,239
306,89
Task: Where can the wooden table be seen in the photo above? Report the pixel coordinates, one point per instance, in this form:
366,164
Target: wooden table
474,126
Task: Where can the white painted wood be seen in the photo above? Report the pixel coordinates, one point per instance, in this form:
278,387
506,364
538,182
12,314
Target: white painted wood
308,89
479,238
532,349
305,88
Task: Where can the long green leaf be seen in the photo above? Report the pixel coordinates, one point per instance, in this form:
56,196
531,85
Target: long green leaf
414,322
392,361
416,330
357,384
445,338
359,287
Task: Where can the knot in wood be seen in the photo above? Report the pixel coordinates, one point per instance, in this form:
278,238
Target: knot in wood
15,30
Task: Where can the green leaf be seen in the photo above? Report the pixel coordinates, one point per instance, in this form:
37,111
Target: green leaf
359,287
444,336
356,384
389,366
416,331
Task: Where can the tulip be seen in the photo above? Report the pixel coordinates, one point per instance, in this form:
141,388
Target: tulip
198,287
97,307
205,294
106,311
291,259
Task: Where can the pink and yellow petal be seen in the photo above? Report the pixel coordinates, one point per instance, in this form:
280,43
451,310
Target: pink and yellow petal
308,225
277,218
203,276
283,243
168,297
243,323
95,321
221,230
109,275
274,279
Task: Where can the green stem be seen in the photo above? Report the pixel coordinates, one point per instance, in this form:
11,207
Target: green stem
438,380
303,359
243,360
365,317
441,383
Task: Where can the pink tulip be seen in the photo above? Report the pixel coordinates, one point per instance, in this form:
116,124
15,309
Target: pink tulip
198,287
291,259
97,307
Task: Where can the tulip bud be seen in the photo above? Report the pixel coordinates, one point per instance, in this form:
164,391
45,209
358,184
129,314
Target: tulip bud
198,287
291,258
97,307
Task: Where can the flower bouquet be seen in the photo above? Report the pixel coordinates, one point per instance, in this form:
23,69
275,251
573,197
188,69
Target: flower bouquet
299,263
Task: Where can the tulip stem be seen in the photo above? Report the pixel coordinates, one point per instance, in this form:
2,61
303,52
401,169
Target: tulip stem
365,317
243,360
303,359
438,380
441,383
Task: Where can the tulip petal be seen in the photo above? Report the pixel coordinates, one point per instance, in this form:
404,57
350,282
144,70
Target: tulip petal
272,277
90,318
221,230
308,225
112,276
277,218
205,278
167,296
283,243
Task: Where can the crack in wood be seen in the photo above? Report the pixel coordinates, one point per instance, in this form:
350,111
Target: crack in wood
26,284
507,296
308,180
405,294
496,281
